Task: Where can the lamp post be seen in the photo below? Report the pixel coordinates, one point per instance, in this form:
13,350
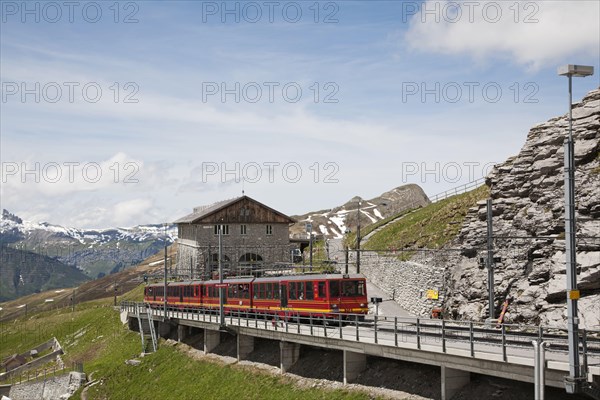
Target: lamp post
574,381
165,273
358,239
347,232
221,288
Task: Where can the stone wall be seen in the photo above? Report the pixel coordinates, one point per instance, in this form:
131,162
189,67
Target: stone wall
406,281
53,388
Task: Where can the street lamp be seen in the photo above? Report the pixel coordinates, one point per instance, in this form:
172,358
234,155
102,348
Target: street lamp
358,239
165,273
221,288
575,379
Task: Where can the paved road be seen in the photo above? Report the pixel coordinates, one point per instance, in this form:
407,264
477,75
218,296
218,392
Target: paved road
388,306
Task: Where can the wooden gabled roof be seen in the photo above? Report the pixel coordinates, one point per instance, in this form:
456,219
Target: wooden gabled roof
201,214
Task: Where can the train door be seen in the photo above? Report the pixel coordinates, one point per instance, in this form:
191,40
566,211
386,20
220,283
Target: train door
284,295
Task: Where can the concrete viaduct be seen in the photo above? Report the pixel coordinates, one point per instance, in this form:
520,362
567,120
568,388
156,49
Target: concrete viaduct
458,349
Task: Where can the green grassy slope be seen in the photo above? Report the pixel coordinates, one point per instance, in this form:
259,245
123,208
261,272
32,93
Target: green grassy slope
94,335
428,227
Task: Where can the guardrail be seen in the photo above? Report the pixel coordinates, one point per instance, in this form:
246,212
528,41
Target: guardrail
399,331
457,190
42,374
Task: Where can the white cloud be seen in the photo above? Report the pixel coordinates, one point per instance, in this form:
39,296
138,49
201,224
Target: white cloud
530,33
126,211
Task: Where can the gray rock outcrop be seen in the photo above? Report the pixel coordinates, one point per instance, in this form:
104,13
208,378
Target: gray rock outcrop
528,219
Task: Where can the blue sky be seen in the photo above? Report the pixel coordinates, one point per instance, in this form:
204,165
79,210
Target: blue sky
153,135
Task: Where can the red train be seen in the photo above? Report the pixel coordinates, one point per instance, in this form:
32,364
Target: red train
298,295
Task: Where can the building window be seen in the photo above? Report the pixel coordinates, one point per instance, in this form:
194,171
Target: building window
243,230
269,229
224,229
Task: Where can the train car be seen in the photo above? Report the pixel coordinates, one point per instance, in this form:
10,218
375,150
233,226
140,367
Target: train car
179,294
328,295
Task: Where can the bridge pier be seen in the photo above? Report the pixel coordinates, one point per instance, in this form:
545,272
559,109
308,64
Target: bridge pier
211,340
164,329
289,354
182,332
452,381
354,364
245,346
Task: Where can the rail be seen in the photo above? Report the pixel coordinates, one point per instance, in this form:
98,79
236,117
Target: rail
466,336
457,190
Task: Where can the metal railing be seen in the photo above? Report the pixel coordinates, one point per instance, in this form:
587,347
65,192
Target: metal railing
43,373
457,190
465,337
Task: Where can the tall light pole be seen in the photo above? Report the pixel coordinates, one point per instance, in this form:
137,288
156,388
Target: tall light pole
490,261
573,382
165,273
221,288
358,239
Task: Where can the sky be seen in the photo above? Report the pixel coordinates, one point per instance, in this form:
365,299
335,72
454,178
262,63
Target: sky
134,112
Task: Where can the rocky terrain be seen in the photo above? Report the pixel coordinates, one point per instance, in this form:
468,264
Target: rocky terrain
95,252
333,223
527,192
528,221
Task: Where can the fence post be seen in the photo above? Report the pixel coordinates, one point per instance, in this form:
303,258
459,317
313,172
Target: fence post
444,335
503,342
471,339
375,326
418,335
396,331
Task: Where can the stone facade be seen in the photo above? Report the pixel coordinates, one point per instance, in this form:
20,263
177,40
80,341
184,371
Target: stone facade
253,237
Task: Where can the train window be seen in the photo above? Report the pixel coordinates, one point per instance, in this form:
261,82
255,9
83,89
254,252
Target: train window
300,289
322,293
276,290
334,288
353,288
292,286
309,290
245,291
269,291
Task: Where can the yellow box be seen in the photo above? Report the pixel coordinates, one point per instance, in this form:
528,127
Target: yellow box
574,295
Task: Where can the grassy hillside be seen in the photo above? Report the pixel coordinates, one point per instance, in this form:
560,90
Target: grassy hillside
428,227
94,335
101,288
24,272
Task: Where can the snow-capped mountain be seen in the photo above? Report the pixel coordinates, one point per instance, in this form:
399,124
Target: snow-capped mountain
334,223
96,252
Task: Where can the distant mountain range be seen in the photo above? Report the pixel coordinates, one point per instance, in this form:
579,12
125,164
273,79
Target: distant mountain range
94,252
333,223
41,256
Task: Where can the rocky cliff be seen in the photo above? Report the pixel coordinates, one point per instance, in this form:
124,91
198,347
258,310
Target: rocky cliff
528,221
